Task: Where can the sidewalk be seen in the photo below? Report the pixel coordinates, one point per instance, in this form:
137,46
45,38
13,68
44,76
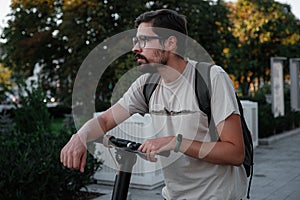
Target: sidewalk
276,173
277,170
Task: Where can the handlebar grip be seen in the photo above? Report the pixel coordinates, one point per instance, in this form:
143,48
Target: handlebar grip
134,146
109,140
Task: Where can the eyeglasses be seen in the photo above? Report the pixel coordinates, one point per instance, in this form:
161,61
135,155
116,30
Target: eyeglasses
141,40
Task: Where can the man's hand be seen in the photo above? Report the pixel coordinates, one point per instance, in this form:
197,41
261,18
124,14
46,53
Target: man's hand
74,153
158,145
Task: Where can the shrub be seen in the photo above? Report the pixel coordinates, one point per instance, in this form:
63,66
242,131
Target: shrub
6,123
267,124
30,164
31,169
33,114
59,111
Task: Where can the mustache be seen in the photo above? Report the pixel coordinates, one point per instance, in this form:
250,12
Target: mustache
140,56
144,68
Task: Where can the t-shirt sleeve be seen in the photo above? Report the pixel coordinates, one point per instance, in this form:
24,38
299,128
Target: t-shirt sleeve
133,99
223,99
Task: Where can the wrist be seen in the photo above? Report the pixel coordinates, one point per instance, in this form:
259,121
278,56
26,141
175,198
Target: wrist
82,137
178,143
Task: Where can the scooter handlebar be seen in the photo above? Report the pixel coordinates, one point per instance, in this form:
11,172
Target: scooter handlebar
110,140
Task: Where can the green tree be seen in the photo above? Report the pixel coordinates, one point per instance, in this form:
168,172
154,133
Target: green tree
5,81
60,34
263,29
30,40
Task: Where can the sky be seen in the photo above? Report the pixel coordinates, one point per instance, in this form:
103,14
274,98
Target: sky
5,9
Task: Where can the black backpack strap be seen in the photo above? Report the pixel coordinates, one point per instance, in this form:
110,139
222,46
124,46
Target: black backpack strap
150,86
248,161
203,94
247,140
202,87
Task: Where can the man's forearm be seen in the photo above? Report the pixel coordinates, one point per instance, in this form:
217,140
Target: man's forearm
213,152
97,127
229,150
91,131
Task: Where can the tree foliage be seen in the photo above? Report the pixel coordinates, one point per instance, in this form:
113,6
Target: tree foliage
263,29
60,34
5,82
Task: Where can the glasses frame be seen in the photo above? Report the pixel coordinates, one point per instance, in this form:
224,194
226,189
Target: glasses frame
142,40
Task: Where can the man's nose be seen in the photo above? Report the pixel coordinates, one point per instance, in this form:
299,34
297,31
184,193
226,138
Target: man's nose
136,48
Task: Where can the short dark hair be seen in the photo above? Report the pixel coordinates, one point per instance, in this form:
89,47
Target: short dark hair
167,19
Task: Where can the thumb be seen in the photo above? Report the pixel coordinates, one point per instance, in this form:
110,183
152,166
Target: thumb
83,162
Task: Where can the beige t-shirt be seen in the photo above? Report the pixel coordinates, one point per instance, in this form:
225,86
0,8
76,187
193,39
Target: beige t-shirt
174,109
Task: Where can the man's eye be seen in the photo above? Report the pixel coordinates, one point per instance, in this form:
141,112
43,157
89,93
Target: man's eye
142,38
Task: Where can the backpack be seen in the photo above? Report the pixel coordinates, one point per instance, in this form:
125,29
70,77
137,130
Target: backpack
203,91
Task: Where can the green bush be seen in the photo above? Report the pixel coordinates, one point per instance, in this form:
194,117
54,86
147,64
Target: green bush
31,169
59,111
30,157
33,113
267,124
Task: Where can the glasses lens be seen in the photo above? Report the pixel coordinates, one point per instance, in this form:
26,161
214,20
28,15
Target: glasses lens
141,41
135,41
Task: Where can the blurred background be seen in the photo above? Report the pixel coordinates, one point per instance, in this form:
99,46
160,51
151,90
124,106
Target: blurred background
44,42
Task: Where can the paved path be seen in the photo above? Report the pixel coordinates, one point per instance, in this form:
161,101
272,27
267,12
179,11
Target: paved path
277,170
276,173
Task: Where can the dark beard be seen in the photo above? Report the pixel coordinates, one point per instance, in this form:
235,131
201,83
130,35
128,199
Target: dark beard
149,67
144,68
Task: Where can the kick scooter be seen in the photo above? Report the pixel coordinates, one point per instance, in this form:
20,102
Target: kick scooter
126,156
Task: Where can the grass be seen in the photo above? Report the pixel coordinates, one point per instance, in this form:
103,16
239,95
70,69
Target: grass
57,125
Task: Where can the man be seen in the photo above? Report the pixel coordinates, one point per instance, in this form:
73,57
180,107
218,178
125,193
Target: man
198,168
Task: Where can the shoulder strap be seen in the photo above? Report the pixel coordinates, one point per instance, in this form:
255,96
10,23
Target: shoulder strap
203,94
203,87
150,85
248,161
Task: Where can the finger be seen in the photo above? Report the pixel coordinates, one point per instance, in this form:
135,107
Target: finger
148,150
141,147
148,156
76,160
61,156
144,148
65,158
83,162
152,157
152,148
69,159
148,147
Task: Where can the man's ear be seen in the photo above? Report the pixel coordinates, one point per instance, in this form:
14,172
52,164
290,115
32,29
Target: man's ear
171,44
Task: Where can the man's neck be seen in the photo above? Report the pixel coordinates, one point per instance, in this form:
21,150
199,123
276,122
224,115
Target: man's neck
173,69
